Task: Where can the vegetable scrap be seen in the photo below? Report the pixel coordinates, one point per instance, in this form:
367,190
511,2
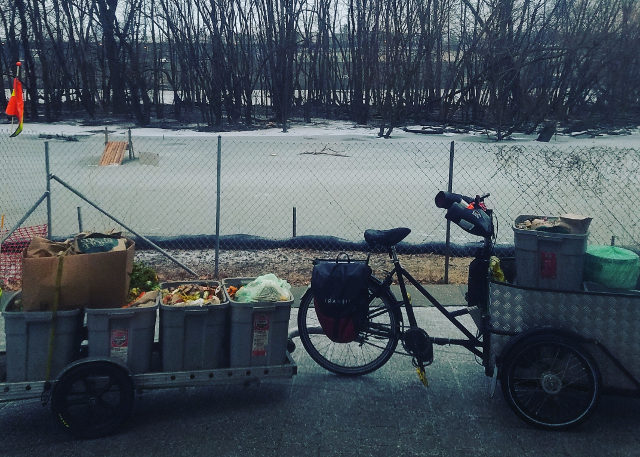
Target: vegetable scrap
542,224
231,290
565,224
144,299
193,295
143,279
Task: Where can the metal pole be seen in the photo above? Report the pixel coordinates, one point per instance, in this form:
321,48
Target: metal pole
448,237
79,219
219,160
119,222
48,193
131,154
24,218
294,221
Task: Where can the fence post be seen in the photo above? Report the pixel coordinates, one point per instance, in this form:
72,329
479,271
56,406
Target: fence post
130,143
448,236
47,170
294,221
79,219
218,206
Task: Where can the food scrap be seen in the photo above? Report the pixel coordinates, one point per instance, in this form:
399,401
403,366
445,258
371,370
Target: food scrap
193,295
143,300
231,290
142,279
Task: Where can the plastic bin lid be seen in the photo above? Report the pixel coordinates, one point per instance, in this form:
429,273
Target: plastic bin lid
613,254
612,266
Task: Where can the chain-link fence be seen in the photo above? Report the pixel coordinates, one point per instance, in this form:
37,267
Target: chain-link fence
283,202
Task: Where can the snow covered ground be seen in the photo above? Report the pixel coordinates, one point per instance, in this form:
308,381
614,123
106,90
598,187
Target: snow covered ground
362,182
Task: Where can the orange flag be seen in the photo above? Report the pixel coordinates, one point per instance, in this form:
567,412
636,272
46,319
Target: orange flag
16,105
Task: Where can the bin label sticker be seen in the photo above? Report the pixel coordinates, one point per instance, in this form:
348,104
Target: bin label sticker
548,265
119,347
260,335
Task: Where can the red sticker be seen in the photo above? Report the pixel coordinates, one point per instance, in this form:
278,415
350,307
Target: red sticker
548,265
119,344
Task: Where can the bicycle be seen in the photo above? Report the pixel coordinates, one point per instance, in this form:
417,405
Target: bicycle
385,325
543,359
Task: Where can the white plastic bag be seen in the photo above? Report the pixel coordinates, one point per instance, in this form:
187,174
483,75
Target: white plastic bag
267,287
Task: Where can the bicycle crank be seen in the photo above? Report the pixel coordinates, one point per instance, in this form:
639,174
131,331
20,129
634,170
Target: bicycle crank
418,344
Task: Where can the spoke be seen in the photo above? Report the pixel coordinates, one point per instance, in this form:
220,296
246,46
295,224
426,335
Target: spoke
106,388
108,407
77,401
551,384
378,330
376,312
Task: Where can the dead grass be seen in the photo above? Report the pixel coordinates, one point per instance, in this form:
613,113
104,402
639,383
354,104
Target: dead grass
295,265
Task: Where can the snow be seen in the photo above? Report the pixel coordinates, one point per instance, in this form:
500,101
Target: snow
328,128
266,172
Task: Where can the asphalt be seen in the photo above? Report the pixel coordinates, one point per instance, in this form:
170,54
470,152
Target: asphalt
316,413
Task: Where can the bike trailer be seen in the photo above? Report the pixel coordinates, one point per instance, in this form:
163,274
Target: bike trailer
606,324
92,396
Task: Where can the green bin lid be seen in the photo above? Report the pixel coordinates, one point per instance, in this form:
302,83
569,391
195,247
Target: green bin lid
611,266
612,253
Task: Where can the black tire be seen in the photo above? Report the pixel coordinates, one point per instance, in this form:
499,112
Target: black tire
550,381
373,347
93,399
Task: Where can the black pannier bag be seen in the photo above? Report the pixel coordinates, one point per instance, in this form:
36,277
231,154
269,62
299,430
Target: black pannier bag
341,296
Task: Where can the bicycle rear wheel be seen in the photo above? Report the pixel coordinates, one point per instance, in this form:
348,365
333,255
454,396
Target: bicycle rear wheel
373,347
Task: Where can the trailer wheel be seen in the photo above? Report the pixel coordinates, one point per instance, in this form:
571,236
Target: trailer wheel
550,381
93,399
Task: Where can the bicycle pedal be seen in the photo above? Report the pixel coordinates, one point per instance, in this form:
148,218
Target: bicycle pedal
422,375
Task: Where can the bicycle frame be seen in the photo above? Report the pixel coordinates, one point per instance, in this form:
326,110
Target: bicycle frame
472,343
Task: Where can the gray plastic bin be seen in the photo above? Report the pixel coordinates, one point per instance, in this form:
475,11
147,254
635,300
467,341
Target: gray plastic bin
193,337
125,334
548,260
259,330
27,338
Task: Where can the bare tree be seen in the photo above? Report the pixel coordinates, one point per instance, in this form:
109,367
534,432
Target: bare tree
505,64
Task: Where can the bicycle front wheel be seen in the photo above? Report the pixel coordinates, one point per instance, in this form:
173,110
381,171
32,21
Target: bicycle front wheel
372,348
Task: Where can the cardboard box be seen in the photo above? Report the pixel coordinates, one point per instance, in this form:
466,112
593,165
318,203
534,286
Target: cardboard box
97,280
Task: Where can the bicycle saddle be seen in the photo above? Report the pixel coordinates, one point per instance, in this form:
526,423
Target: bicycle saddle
386,238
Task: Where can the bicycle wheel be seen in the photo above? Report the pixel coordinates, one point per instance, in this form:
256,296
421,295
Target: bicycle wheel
550,382
93,399
372,348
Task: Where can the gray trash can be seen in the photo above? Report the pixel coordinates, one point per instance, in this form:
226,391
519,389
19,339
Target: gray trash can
548,260
28,335
125,334
193,337
259,330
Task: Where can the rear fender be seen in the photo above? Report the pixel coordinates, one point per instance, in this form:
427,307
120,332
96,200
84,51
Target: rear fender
521,337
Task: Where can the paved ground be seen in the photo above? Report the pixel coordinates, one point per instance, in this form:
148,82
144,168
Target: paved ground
387,413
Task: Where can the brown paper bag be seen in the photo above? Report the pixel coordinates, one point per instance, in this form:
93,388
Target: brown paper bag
98,280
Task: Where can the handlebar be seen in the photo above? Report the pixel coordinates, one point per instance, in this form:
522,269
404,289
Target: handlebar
447,199
470,214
